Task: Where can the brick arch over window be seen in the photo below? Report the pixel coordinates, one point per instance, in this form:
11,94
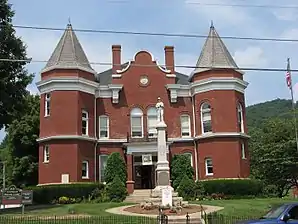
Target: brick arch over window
136,123
206,117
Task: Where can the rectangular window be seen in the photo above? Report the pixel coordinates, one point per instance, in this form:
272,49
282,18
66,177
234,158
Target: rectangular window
152,131
85,170
243,153
84,122
46,154
189,155
207,124
185,125
136,127
103,127
209,167
47,104
102,166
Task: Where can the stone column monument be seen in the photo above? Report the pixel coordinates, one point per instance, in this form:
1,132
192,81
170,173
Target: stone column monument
162,166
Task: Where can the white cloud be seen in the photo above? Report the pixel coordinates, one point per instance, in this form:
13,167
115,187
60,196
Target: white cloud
285,14
290,34
250,57
2,134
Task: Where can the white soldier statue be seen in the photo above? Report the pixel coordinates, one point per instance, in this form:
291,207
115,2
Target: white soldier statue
160,110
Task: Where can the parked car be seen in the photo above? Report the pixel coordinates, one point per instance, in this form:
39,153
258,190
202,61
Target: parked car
285,213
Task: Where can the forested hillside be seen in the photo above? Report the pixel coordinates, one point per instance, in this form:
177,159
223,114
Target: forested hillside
258,113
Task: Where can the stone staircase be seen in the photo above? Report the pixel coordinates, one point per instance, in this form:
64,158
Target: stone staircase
138,196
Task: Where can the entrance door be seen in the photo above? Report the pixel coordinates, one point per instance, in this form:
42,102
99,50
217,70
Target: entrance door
144,177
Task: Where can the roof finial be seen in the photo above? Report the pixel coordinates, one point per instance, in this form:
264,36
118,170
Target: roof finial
211,24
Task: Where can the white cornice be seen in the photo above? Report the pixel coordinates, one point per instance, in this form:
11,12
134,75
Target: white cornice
205,85
80,137
210,135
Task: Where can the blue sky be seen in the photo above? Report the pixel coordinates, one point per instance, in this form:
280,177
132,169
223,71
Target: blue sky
169,16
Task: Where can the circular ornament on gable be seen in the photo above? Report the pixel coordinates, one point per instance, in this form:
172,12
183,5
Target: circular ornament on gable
144,81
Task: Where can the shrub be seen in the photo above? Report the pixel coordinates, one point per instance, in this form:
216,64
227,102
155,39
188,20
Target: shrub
199,190
186,188
115,167
51,193
233,187
180,167
116,190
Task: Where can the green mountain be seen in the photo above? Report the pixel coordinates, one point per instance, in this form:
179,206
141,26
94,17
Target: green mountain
258,113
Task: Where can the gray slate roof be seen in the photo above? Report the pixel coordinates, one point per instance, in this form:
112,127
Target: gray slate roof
68,54
106,77
214,54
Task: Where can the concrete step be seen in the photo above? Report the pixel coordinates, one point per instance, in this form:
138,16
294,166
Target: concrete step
183,221
138,196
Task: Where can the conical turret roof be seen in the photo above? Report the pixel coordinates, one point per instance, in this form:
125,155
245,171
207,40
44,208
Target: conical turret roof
68,54
214,54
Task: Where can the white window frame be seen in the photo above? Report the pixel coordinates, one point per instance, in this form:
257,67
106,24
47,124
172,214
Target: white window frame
208,166
47,104
101,171
243,151
181,126
136,113
191,158
107,128
151,114
203,112
85,163
240,118
46,154
85,119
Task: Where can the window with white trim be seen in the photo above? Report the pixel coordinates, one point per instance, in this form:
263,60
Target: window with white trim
151,122
189,155
85,119
85,169
206,121
209,167
47,103
136,123
243,152
46,154
102,166
185,125
103,126
240,118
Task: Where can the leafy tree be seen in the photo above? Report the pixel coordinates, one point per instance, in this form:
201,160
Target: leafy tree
274,154
116,190
21,148
186,188
115,167
14,77
180,167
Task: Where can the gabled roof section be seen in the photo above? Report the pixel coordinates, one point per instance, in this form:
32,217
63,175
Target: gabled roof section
214,54
68,54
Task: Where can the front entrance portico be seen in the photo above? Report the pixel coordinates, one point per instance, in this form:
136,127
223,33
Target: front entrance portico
141,160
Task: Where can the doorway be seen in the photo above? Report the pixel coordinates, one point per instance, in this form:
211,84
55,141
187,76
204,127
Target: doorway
144,176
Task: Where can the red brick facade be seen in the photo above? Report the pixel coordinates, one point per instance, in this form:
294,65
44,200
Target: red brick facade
64,150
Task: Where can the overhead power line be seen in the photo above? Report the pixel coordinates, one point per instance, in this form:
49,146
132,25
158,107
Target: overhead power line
162,65
155,34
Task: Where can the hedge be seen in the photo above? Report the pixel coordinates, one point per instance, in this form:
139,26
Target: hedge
233,187
51,193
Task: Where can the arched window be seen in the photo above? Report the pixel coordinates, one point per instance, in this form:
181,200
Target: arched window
206,122
189,154
136,123
240,118
209,167
151,122
185,125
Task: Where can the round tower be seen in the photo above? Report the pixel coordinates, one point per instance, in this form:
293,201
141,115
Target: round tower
218,93
67,101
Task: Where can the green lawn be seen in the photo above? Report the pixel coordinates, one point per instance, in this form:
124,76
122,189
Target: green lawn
246,207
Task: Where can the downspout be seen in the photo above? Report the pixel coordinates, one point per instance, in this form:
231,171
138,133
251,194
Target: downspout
95,135
194,135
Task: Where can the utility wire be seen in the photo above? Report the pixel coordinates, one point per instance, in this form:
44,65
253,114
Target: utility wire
176,66
155,34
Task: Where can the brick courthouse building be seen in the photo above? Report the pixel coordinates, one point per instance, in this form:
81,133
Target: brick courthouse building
85,116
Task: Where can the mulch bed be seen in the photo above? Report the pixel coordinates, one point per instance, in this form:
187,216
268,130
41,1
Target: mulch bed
191,209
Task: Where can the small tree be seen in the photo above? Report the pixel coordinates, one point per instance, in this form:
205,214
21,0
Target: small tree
116,190
186,188
180,167
115,167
